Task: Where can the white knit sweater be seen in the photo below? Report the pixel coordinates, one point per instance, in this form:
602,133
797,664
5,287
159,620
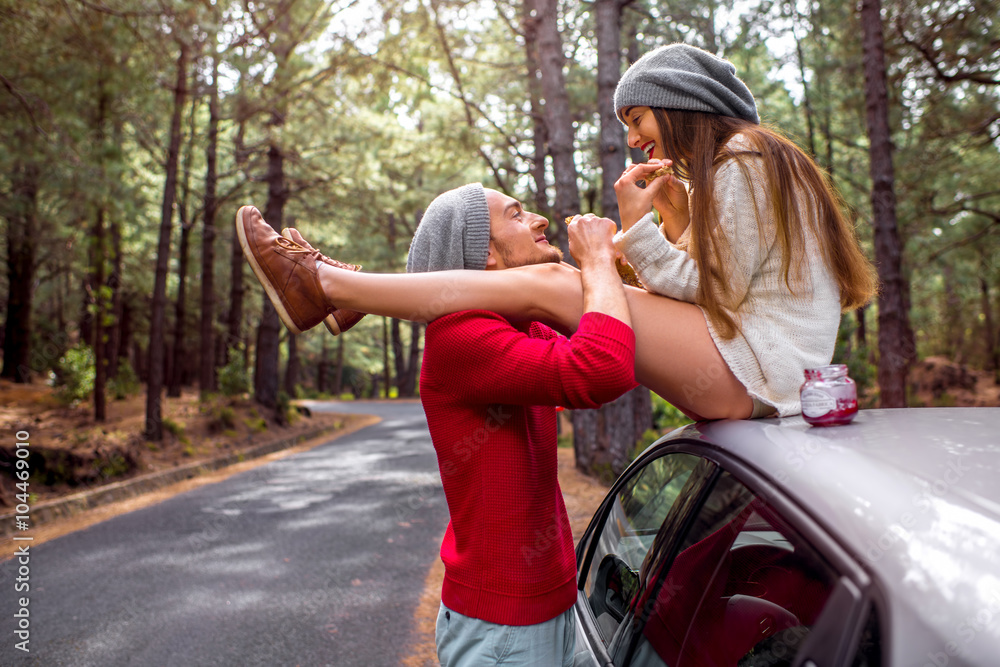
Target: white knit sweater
781,332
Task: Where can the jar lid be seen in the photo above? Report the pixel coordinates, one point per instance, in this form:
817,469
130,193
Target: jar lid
826,372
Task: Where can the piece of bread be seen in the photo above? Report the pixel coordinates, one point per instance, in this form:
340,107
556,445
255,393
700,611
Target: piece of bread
628,274
656,174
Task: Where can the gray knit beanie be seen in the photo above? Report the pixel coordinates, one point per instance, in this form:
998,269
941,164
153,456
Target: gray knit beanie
685,77
454,232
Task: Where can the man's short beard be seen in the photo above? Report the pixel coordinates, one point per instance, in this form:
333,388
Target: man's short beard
510,262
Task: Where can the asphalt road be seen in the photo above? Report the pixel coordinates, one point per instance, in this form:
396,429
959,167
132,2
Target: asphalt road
316,559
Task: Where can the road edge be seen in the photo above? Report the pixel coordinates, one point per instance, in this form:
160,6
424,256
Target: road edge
63,508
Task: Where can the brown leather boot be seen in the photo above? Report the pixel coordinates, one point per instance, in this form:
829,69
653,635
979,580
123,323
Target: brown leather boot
341,319
288,271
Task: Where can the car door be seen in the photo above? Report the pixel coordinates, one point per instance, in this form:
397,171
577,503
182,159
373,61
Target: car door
733,574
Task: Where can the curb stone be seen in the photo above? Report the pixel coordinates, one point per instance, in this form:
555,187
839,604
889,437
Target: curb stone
61,508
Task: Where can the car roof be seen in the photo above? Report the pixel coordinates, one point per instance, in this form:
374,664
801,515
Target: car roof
914,494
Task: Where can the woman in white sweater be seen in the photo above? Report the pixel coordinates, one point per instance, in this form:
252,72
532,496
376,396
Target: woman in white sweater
746,271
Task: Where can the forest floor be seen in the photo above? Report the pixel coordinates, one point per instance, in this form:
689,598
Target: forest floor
70,452
939,382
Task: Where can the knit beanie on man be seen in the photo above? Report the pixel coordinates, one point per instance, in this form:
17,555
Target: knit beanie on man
454,232
685,77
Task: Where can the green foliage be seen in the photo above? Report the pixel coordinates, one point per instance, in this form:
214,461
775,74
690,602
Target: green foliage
222,416
256,424
176,429
125,383
665,416
650,436
112,465
234,380
285,411
564,440
74,379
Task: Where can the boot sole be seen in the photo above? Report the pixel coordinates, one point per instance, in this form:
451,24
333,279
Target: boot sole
265,282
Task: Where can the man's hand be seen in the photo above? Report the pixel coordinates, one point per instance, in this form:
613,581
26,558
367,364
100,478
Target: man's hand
590,239
591,247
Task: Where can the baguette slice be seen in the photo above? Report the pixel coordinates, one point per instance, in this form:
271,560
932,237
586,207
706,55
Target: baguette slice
662,171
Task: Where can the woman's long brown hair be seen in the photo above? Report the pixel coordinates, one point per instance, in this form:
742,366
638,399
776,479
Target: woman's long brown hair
696,143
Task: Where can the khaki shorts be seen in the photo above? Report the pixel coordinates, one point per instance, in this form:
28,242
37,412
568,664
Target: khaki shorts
463,641
761,409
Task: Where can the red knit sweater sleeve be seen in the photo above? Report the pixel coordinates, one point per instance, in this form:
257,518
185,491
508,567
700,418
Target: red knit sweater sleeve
499,364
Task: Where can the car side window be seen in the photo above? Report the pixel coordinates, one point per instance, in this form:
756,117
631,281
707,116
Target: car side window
632,523
743,590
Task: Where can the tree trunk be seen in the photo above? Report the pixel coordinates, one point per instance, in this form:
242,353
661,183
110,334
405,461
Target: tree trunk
386,371
800,60
406,361
206,375
180,313
895,338
234,332
97,256
114,282
338,374
604,439
293,365
612,139
399,357
100,347
595,432
558,120
22,246
125,348
88,288
266,367
157,325
954,329
861,334
237,290
416,329
117,299
322,367
990,338
539,134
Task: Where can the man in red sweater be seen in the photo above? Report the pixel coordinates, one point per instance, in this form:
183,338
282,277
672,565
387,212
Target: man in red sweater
490,388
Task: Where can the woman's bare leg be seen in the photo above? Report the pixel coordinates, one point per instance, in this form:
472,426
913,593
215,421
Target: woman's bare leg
676,357
675,354
523,293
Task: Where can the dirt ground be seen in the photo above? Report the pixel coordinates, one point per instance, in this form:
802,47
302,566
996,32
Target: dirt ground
939,382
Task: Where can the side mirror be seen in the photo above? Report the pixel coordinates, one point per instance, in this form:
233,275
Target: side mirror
617,585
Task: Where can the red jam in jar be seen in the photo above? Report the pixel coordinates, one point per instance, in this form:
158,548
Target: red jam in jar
829,397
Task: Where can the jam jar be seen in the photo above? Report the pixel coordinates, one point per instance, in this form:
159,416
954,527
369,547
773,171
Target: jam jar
829,397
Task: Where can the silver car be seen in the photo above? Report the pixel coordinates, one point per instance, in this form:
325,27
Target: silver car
772,542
